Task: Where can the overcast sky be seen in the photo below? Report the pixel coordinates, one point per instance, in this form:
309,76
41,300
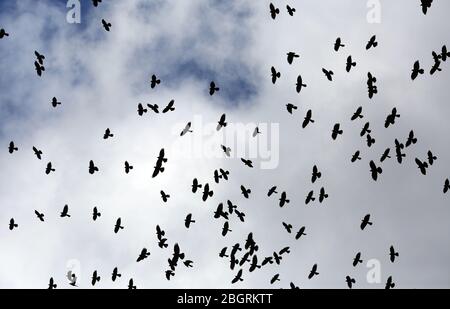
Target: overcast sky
100,77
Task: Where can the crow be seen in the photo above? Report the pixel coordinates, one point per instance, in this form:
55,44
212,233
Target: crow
49,168
426,4
422,166
372,89
96,2
431,158
283,199
38,153
238,277
118,225
273,11
106,25
310,197
389,283
336,131
350,281
375,171
290,10
206,192
356,156
307,119
128,167
39,215
313,272
416,70
328,73
372,42
290,107
357,260
195,185
115,274
131,285
446,185
365,129
154,81
248,163
226,150
154,108
275,279
288,227
370,140
188,221
272,191
12,224
392,254
141,110
299,85
221,123
143,255
291,56
338,44
411,139
169,107
300,233
186,129
385,155
52,285
55,102
92,168
65,212
322,195
95,214
213,88
226,229
245,192
164,196
3,33
12,147
39,68
350,63
95,278
40,58
275,75
365,221
107,134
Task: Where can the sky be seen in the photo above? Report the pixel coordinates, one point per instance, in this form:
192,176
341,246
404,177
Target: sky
100,77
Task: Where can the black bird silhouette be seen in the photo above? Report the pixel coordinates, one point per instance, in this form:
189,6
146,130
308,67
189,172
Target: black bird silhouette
338,44
313,272
206,192
195,185
224,174
272,191
39,215
375,170
365,221
143,255
55,102
223,253
273,11
245,192
39,68
169,107
307,119
96,2
141,110
416,70
371,88
128,167
299,85
310,197
131,285
426,4
12,147
52,285
288,227
164,196
49,168
293,286
213,88
107,134
300,233
322,195
350,63
283,199
188,221
188,263
422,166
385,155
290,107
398,151
65,212
92,167
248,163
390,119
231,207
389,283
40,58
106,25
226,229
186,129
12,224
290,10
227,150
356,156
446,185
160,160
256,132
436,65
275,279
275,75
154,108
277,258
357,260
336,131
365,129
115,274
37,152
328,73
220,213
254,264
169,273
392,254
154,81
238,277
431,158
291,56
350,281
444,53
96,214
118,225
221,123
372,42
95,278
3,33
370,140
411,139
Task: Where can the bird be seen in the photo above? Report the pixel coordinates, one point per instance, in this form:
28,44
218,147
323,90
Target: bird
226,150
444,53
92,167
95,278
52,285
398,151
300,233
107,134
375,171
213,88
411,139
248,163
307,120
254,264
336,131
206,192
350,281
223,253
416,71
431,158
365,129
245,192
275,279
195,185
328,73
95,214
291,107
37,152
186,129
371,88
220,213
283,199
128,167
288,227
154,108
143,255
422,166
299,85
39,68
256,132
141,110
96,2
389,283
272,191
106,25
238,277
356,156
226,229
350,63
65,212
437,63
338,44
39,215
357,260
322,195
154,81
164,196
290,10
385,155
392,254
372,42
12,224
188,221
115,274
55,102
370,140
390,119
40,58
293,286
12,147
3,33
273,11
275,75
49,168
221,123
313,272
188,263
118,226
310,197
291,56
365,221
169,107
426,4
446,185
169,273
131,285
159,161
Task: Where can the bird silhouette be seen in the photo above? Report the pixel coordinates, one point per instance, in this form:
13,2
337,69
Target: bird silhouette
310,197
154,81
299,85
290,10
226,229
39,215
96,2
188,221
291,56
170,107
431,158
49,168
446,185
128,167
385,155
422,166
39,68
55,102
322,195
288,227
95,214
365,129
416,71
65,212
12,224
371,88
275,75
107,134
390,119
221,123
313,272
336,131
226,150
37,152
437,63
411,139
308,119
338,44
389,283
143,255
328,73
365,222
357,260
115,274
207,192
372,42
291,107
426,4
141,110
248,163
106,25
154,108
238,277
283,199
272,190
392,254
3,33
131,285
92,167
374,170
52,285
118,226
40,58
356,156
95,278
350,281
165,197
273,11
220,213
213,88
195,185
159,161
186,129
350,63
370,140
275,279
300,233
398,151
245,192
12,147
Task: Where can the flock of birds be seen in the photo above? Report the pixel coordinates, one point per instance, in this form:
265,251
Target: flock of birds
248,252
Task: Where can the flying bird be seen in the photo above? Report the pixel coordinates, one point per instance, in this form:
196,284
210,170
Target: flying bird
92,167
52,285
350,63
39,215
3,33
165,197
446,185
372,42
248,163
422,166
365,222
96,2
315,174
107,134
245,192
273,11
143,255
118,226
12,224
221,123
65,212
431,158
300,233
160,160
313,272
290,10
275,279
170,107
37,152
389,283
55,102
206,192
336,131
357,260
272,191
350,281
40,58
39,68
106,25
12,147
283,199
115,274
426,4
95,214
275,75
238,277
300,84
195,185
328,73
213,88
95,278
49,168
392,254
307,120
154,108
291,56
141,110
291,107
416,71
356,156
128,167
188,221
154,81
338,44
186,129
374,170
411,139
